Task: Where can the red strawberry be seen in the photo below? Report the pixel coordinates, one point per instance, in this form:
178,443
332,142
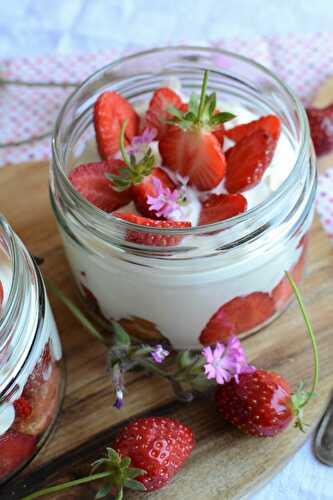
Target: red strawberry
270,123
195,154
15,449
22,408
90,181
219,132
219,207
146,188
260,404
239,315
157,114
321,128
248,160
110,111
158,445
1,293
283,291
152,239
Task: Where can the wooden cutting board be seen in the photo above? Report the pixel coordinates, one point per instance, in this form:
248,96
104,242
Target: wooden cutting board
225,463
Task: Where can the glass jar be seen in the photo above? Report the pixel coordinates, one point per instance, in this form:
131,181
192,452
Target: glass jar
205,282
31,374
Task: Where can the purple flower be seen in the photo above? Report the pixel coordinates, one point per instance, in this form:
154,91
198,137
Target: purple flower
140,142
226,361
119,402
159,354
165,201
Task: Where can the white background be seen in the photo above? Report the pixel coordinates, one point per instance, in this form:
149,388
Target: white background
32,27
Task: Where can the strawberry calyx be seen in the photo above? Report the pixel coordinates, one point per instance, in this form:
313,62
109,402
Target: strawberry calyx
301,398
116,472
201,112
135,170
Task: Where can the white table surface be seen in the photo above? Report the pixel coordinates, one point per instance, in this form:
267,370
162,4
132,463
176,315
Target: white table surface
33,27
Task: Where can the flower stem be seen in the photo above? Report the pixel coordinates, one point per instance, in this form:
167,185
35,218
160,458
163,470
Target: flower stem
75,311
202,95
311,334
122,142
65,486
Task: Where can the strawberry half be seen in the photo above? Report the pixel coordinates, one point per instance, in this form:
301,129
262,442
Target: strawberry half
219,207
146,188
157,445
195,154
152,239
15,449
260,404
270,123
110,111
321,128
248,160
91,182
157,114
239,315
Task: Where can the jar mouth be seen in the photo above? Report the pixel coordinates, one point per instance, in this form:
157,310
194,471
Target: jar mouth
257,211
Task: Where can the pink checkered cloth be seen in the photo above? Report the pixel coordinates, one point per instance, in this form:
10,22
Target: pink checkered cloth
303,62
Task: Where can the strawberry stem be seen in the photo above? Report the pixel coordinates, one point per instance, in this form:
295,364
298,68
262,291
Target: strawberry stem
312,336
202,96
65,486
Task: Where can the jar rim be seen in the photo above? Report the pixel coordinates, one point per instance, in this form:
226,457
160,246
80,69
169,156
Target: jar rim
256,211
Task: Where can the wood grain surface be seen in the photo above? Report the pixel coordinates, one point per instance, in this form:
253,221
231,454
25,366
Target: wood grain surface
225,463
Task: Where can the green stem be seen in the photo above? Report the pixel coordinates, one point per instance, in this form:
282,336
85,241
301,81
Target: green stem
202,95
122,142
65,486
311,334
75,311
25,83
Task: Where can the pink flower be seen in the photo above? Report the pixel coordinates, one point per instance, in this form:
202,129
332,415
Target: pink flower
140,142
166,201
226,361
159,354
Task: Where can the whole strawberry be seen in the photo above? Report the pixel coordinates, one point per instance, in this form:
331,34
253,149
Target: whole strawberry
321,128
158,445
260,404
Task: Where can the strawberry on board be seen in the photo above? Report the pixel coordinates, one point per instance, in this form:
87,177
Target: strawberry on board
321,128
239,315
270,123
157,114
248,160
152,239
146,188
110,111
157,445
218,207
15,449
91,182
189,146
260,404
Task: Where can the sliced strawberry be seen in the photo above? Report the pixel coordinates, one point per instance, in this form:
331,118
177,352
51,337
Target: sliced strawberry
321,128
270,123
152,239
239,315
282,293
43,397
195,154
219,207
1,293
15,449
248,160
22,408
157,114
110,111
90,181
219,132
146,188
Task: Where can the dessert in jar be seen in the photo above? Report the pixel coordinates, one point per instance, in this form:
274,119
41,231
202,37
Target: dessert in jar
31,376
183,195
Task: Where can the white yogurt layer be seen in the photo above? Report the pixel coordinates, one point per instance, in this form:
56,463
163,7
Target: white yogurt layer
181,299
